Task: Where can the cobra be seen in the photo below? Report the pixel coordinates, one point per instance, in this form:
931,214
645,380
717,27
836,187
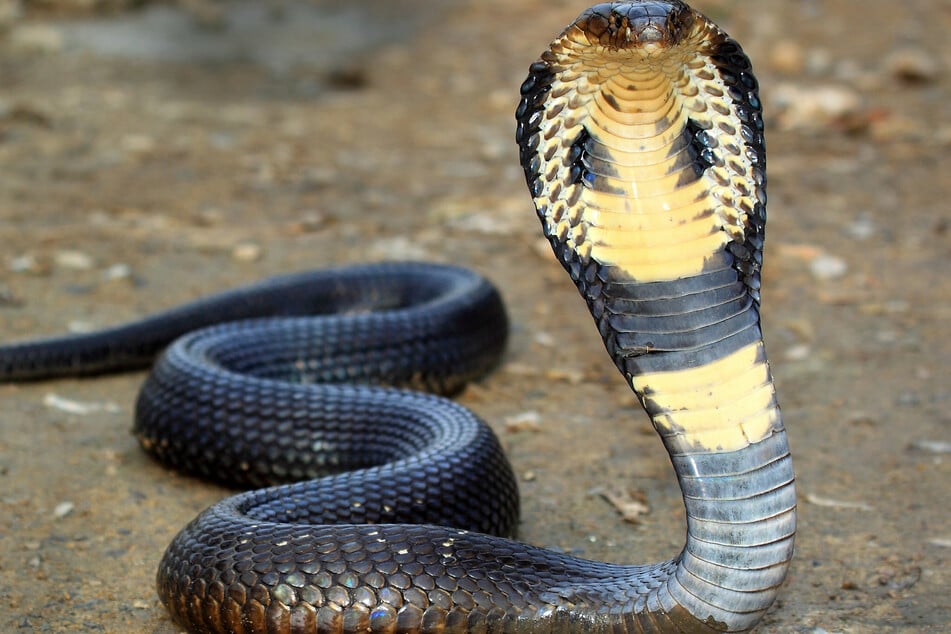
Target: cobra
641,137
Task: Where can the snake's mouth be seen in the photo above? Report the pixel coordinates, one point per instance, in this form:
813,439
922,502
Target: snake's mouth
645,25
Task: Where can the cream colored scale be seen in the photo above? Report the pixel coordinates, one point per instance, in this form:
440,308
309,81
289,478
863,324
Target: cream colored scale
643,219
648,215
659,230
721,406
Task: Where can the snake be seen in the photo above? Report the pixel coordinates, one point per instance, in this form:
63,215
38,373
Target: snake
384,509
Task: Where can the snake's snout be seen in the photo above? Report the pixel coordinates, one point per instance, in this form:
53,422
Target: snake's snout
643,24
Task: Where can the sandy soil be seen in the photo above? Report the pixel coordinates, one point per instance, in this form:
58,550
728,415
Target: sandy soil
131,182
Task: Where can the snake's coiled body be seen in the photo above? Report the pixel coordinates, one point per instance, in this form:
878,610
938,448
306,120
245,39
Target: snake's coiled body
641,138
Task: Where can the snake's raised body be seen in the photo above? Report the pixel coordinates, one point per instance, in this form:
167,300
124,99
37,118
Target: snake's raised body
641,137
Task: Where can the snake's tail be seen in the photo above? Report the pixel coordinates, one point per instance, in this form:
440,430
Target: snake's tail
352,289
135,345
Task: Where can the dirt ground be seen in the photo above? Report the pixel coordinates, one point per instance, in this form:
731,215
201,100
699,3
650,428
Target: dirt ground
147,160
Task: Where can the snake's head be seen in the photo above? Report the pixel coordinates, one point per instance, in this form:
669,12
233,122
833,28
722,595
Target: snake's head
647,25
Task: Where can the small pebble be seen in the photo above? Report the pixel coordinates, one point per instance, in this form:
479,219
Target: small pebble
78,408
818,60
138,143
209,217
567,375
861,419
543,338
932,446
8,297
787,56
30,263
36,38
247,252
81,326
912,65
310,221
799,352
907,399
397,248
74,260
815,107
222,140
525,421
840,504
63,509
827,267
862,228
521,369
886,336
117,272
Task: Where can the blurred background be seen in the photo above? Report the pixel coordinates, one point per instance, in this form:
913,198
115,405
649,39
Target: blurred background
151,152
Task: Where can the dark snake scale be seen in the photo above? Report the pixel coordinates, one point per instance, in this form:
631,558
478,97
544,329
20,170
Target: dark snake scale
386,510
